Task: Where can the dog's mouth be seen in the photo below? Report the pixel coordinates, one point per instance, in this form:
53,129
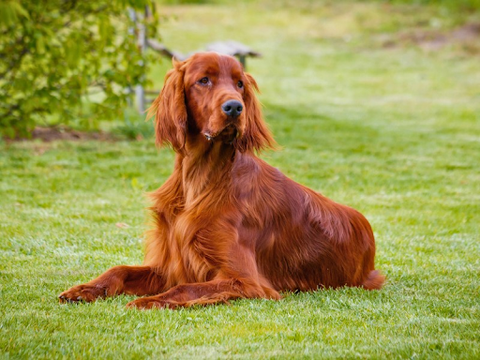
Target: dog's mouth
227,135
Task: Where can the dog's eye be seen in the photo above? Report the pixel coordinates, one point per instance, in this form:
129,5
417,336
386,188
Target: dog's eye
240,84
204,81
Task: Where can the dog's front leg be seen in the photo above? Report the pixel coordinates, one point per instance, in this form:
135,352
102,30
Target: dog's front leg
237,277
206,293
131,280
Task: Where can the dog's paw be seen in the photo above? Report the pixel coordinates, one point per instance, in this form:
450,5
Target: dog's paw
87,293
151,302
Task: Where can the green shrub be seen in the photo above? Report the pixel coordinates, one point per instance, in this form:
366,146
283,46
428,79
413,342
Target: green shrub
63,60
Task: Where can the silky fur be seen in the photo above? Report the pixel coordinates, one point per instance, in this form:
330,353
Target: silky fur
226,224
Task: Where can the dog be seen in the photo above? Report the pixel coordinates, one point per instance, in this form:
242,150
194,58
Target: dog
226,224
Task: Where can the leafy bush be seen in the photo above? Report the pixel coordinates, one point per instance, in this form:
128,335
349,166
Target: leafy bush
63,60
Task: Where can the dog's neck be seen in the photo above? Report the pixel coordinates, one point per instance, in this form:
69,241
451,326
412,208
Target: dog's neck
205,166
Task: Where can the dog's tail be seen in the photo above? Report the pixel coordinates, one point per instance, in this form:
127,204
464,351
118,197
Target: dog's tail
374,280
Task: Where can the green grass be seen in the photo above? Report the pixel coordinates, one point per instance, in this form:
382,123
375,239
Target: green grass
393,131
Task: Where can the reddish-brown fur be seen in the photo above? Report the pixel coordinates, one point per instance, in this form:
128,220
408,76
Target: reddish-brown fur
227,224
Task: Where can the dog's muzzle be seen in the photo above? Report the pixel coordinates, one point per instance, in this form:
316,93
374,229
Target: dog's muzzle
227,135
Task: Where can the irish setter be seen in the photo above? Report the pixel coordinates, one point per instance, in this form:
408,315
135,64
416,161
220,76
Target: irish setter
227,224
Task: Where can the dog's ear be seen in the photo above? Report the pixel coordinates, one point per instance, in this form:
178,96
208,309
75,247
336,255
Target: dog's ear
170,110
256,135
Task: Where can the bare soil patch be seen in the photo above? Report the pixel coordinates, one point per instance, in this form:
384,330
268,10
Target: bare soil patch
49,134
468,35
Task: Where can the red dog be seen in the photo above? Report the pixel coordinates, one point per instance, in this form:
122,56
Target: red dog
228,225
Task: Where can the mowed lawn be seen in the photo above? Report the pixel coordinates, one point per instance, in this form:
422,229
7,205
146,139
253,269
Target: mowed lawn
375,106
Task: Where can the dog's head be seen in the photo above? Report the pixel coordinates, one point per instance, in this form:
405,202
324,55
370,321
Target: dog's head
210,95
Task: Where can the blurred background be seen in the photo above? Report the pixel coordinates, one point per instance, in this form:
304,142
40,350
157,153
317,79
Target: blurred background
77,65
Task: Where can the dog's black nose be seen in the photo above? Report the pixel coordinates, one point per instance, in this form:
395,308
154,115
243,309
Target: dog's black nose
232,108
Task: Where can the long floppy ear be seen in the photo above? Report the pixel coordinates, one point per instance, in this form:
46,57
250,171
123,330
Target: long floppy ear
170,110
256,135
